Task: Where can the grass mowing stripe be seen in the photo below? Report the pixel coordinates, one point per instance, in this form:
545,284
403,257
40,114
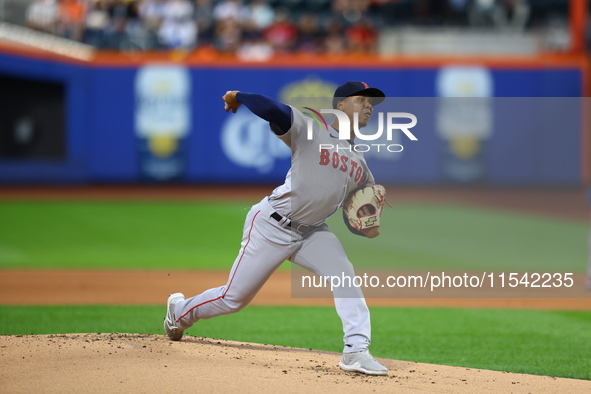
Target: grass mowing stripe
185,235
534,342
447,236
120,234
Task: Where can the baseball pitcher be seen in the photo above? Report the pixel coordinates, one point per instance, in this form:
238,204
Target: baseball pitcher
289,224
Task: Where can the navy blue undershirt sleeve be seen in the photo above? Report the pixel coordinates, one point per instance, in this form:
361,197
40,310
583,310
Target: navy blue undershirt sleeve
278,114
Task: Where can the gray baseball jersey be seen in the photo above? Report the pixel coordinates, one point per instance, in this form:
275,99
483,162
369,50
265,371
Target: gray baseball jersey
324,171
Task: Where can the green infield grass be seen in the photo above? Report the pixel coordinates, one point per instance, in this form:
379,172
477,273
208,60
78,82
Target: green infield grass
535,342
185,235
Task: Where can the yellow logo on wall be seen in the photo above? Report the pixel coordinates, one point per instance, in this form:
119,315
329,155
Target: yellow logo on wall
163,145
310,87
464,114
163,113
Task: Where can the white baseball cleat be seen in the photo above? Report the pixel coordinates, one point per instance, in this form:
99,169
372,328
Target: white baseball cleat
362,362
171,327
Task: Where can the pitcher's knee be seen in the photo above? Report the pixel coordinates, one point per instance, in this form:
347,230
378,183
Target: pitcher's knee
234,306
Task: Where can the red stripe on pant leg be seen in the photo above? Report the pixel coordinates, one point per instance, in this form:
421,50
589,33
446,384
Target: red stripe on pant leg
232,278
242,255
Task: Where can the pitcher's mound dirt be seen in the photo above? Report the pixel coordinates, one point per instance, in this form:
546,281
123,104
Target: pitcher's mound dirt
151,363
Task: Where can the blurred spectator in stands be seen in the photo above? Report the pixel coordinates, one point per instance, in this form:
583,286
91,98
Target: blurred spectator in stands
282,34
204,19
71,19
227,36
253,47
456,12
481,12
334,40
137,35
250,30
255,50
151,14
97,20
310,37
362,37
504,14
119,14
350,10
392,12
178,28
260,13
513,14
228,10
42,15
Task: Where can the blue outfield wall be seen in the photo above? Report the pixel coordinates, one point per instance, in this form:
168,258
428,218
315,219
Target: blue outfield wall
105,143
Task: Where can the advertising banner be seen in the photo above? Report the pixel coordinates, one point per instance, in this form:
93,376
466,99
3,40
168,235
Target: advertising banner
166,123
162,121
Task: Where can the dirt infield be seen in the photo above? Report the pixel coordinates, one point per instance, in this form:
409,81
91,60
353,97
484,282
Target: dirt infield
151,363
93,363
62,287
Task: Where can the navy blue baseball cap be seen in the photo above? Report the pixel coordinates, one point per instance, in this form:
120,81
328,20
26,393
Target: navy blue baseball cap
356,88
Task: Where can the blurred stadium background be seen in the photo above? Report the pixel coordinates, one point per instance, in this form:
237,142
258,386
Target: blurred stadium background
115,91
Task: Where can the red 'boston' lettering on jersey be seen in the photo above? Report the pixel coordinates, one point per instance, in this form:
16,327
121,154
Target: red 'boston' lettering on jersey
324,157
344,160
335,159
358,174
353,166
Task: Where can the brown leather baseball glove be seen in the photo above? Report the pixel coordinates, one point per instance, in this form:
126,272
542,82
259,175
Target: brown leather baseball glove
362,211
